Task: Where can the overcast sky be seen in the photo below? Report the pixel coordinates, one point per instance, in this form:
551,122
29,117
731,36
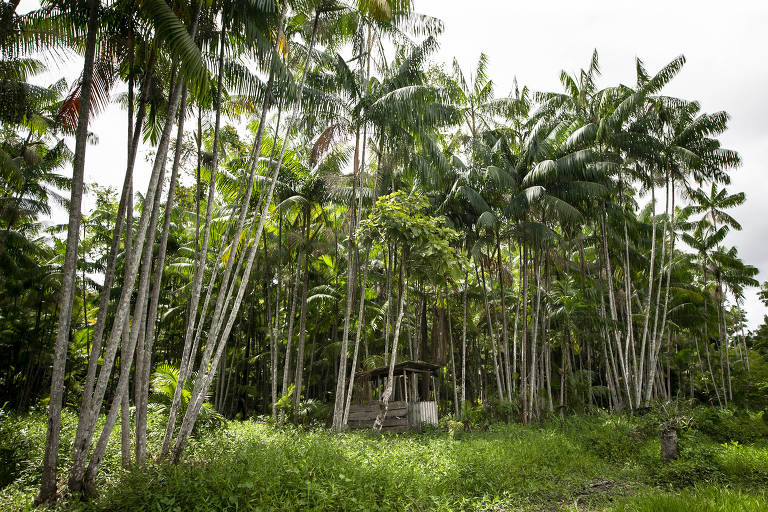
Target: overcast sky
724,43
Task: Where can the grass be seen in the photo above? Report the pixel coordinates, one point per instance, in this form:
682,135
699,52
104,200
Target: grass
700,499
251,465
599,462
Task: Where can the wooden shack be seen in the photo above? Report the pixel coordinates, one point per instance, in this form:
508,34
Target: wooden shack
414,399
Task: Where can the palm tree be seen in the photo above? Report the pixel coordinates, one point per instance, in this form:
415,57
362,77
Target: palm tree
714,203
69,272
684,148
190,416
705,240
181,38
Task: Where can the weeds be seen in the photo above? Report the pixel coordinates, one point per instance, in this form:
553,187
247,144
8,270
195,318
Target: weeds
594,461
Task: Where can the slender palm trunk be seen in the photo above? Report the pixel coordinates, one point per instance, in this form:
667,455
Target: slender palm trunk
303,322
387,314
384,406
201,386
725,377
524,340
125,413
629,343
69,272
547,366
453,363
505,327
532,397
743,341
338,409
499,385
142,377
706,341
651,269
514,332
464,342
563,370
658,336
276,322
289,336
358,334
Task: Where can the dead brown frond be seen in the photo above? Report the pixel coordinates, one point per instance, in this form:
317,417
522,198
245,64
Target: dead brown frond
325,141
103,80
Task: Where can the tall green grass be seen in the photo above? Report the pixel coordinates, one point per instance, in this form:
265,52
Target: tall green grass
706,499
596,462
257,467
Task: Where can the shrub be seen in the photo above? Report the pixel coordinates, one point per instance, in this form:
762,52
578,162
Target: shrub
480,416
613,438
314,412
744,464
455,429
696,464
724,426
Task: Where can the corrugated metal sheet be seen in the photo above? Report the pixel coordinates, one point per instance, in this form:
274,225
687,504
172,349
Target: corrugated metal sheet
422,412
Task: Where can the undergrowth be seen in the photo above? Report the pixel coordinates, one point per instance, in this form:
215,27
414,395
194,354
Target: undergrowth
598,462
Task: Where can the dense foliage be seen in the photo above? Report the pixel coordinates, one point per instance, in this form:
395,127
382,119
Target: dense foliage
336,201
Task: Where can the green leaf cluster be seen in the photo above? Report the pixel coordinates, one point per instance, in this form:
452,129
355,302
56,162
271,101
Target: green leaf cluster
403,219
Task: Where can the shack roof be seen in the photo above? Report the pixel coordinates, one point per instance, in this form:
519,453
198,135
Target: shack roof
400,368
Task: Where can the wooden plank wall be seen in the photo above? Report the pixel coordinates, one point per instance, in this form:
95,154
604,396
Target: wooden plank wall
362,416
401,415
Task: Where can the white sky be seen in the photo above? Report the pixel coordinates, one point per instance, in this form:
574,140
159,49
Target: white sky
724,43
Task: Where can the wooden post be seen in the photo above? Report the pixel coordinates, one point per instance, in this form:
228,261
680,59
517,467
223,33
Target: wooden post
370,389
